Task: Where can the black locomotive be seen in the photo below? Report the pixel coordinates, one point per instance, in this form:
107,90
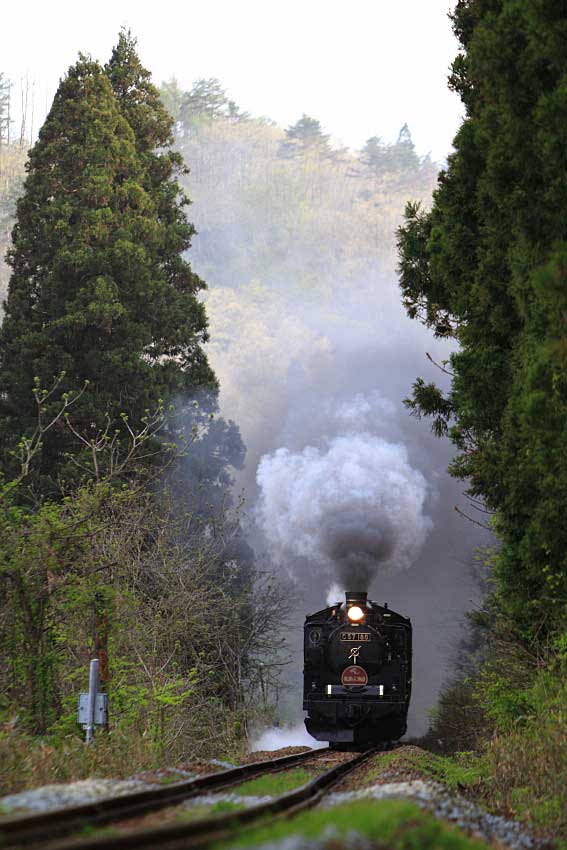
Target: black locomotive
357,673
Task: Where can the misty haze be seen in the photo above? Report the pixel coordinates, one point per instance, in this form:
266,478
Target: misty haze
315,354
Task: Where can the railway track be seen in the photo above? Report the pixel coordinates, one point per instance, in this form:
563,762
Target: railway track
23,829
46,829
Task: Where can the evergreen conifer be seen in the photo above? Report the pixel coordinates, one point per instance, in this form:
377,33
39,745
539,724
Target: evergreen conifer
98,289
180,319
376,156
403,155
303,137
206,102
488,266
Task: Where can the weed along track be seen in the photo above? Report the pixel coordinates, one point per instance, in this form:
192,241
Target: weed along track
47,828
172,829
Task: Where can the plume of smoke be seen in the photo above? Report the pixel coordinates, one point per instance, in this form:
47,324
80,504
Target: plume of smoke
355,505
305,314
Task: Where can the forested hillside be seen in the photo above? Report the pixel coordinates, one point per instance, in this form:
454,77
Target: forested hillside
293,196
285,222
486,267
295,238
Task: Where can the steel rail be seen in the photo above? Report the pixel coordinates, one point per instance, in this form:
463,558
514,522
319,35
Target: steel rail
202,832
40,827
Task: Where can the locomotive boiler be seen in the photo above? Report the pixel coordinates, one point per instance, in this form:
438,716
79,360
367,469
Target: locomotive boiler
357,673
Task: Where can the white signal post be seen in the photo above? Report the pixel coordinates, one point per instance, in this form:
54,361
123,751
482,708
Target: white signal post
93,690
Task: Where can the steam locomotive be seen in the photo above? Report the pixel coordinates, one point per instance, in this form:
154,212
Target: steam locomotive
357,673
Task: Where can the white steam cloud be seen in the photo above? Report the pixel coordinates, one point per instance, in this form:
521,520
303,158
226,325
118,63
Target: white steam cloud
288,736
355,505
335,593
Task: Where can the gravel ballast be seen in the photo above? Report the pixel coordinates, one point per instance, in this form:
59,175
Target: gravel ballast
453,808
70,794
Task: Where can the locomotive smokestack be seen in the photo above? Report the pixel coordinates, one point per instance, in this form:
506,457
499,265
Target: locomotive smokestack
356,605
356,597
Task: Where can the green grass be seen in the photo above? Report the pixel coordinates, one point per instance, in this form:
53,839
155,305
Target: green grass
395,824
463,770
172,779
274,783
381,762
29,762
400,760
223,807
191,813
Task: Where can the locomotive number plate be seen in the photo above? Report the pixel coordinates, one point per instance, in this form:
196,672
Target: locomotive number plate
354,675
358,636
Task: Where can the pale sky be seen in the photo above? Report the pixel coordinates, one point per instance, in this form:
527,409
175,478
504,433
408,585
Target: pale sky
362,71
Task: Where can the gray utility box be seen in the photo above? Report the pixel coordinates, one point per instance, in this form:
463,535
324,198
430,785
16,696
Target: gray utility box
100,709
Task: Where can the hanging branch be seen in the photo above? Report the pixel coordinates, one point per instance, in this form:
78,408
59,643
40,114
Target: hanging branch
439,366
470,519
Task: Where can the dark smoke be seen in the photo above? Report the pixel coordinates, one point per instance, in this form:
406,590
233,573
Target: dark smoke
357,543
355,505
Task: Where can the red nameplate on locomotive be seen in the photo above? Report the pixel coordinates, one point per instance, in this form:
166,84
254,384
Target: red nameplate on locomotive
354,675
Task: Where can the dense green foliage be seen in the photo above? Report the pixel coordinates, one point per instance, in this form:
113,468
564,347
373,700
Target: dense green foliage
504,715
142,569
99,292
186,629
180,318
488,266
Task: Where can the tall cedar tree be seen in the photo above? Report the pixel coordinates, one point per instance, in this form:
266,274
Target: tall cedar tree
183,323
98,289
488,266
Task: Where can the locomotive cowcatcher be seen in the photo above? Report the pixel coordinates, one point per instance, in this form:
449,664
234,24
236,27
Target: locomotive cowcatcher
357,673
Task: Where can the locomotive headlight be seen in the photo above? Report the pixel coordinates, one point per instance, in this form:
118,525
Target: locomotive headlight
355,614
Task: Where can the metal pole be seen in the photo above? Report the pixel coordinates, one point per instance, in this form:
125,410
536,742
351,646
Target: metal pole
93,690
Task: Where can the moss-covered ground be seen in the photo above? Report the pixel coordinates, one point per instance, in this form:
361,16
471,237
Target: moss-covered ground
273,784
458,773
198,812
393,824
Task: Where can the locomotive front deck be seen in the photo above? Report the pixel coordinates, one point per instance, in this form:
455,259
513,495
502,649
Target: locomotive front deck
357,672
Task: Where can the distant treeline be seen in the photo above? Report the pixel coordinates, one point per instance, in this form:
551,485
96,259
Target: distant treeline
284,206
293,237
